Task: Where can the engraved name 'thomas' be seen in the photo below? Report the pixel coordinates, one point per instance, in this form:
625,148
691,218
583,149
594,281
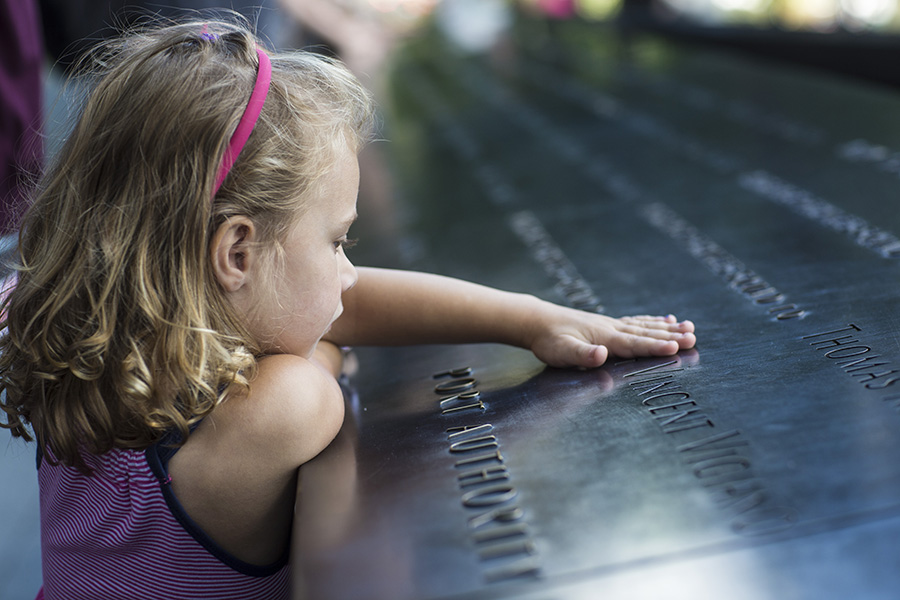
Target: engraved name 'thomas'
856,358
845,346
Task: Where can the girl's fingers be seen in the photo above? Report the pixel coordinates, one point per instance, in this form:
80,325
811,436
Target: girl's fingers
591,355
650,342
653,332
639,325
633,346
570,351
667,318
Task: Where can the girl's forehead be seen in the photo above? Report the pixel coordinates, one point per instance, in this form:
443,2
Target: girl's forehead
335,195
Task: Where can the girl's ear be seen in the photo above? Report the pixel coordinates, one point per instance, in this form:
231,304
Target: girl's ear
233,253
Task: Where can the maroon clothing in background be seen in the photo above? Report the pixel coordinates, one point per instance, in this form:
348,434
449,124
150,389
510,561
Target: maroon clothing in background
21,147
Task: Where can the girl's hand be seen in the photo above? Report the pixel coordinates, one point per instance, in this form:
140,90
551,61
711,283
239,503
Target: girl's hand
565,337
399,308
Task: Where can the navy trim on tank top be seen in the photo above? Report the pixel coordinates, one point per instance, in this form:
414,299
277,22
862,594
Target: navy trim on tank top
158,457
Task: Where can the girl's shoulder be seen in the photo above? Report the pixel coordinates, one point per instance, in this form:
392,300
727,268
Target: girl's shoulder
293,410
294,407
304,404
237,473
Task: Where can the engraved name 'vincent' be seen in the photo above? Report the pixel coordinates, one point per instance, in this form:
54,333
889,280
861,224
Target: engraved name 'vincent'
719,459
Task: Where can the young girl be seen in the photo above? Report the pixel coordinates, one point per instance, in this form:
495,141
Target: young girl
182,294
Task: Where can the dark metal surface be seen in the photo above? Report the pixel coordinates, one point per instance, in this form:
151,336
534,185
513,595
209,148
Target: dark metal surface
628,176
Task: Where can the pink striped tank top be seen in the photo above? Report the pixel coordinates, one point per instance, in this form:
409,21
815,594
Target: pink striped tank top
121,533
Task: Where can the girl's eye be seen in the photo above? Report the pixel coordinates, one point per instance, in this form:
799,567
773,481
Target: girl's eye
345,243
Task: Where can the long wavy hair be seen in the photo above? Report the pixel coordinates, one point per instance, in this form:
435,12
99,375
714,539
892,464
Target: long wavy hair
117,331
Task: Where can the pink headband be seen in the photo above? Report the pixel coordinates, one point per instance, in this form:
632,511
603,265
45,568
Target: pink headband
248,119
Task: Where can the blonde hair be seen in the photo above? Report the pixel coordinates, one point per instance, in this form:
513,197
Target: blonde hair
117,331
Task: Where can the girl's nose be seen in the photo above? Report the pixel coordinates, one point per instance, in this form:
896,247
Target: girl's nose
349,275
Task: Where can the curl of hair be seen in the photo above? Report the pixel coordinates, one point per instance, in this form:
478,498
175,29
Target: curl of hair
117,331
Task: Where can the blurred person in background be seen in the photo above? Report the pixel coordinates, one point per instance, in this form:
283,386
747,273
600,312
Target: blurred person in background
359,31
21,97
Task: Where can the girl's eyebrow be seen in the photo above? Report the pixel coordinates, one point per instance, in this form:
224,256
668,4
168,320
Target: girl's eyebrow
350,220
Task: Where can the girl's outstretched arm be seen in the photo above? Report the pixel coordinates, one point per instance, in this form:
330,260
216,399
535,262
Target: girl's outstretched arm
389,307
